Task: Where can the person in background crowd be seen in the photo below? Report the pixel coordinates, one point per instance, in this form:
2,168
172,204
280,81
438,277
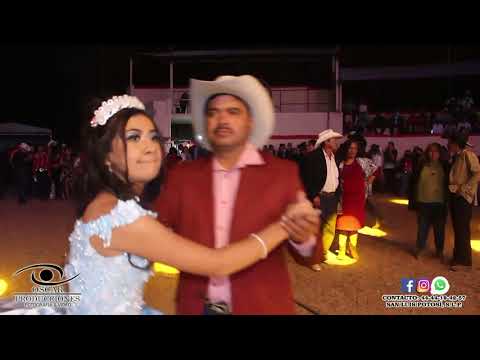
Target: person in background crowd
57,155
428,196
271,148
464,126
311,145
320,177
467,102
437,128
290,152
389,164
172,158
362,116
404,173
282,152
66,175
184,153
21,161
41,173
356,173
396,124
463,183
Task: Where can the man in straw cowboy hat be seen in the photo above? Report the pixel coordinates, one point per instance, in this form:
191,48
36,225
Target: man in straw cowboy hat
234,192
320,177
463,181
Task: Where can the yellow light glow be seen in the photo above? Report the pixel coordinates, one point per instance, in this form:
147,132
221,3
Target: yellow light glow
163,269
399,201
3,287
475,244
367,230
333,260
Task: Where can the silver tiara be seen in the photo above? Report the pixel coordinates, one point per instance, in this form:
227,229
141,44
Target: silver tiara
112,106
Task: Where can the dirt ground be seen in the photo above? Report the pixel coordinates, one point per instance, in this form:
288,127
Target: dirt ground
38,232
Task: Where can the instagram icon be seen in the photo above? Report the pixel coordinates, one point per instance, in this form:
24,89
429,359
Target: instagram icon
423,286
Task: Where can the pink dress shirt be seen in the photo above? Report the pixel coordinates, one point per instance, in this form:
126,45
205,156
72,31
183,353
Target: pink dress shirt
225,188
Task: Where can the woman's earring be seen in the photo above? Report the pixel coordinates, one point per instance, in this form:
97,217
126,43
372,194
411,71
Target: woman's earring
109,166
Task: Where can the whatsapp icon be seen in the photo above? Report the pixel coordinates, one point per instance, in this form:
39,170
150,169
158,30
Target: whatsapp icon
440,286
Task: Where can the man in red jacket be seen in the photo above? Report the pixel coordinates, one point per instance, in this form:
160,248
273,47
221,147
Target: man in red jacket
232,193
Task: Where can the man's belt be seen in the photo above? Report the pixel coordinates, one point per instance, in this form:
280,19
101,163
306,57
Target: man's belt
219,308
327,194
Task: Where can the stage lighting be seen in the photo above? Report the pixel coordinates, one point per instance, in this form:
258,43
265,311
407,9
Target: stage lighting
163,269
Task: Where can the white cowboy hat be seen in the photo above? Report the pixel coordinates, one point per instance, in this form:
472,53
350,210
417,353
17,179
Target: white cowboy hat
245,87
326,135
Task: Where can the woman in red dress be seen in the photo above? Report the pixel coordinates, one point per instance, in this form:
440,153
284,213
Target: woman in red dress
355,175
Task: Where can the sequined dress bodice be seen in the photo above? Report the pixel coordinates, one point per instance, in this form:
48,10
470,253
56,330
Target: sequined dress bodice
107,285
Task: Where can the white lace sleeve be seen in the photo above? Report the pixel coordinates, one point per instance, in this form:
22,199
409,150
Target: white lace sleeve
124,213
368,166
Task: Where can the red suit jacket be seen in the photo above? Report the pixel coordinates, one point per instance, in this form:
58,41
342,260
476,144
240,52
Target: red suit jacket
185,204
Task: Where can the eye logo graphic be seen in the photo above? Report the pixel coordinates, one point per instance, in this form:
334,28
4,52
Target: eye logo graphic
46,274
48,289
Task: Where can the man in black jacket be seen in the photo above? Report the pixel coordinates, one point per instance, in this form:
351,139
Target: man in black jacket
320,178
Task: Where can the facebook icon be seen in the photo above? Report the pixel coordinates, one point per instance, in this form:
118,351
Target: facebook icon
408,285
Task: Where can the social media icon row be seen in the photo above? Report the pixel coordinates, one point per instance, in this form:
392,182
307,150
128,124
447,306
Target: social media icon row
438,286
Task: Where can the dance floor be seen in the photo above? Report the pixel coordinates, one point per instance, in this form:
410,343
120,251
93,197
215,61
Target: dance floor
38,233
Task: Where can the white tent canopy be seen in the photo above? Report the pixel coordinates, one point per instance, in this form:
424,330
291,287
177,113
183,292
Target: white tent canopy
13,133
17,129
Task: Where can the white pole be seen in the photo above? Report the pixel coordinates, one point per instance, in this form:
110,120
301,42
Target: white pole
171,102
338,85
131,77
171,84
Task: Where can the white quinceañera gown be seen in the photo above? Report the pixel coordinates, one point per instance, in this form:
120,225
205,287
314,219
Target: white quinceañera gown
107,285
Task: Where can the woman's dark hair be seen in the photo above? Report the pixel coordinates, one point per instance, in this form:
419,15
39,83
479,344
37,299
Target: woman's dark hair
343,151
374,150
96,177
426,154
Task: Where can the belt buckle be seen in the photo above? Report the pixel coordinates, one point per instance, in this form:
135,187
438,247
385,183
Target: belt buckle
220,308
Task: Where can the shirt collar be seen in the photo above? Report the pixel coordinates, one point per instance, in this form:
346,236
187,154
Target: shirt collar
326,155
250,156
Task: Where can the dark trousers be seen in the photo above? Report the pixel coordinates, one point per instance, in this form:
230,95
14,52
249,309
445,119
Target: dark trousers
461,212
43,185
389,175
56,180
328,206
21,185
428,215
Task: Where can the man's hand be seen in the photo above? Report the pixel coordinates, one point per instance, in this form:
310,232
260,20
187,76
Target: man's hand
301,226
300,229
